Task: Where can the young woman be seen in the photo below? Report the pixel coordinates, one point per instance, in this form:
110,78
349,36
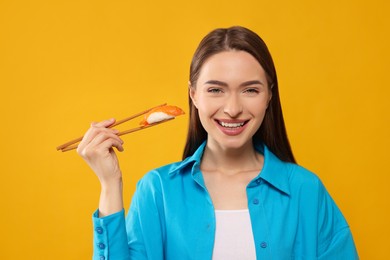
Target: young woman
238,193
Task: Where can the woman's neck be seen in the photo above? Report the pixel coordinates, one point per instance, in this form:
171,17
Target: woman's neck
231,161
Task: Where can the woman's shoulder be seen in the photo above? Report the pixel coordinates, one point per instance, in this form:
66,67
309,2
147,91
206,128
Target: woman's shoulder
304,181
165,172
287,173
299,173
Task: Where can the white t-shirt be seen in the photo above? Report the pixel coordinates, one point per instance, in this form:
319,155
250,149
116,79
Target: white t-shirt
233,236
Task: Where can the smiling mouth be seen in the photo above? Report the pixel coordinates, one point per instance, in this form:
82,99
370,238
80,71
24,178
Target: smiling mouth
232,125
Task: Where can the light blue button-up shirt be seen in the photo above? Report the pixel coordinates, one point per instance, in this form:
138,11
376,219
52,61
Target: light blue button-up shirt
172,216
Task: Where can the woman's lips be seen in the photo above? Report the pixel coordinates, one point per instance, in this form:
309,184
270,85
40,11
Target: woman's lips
231,127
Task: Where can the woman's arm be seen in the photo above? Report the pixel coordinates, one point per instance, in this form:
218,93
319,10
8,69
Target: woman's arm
96,148
335,239
140,236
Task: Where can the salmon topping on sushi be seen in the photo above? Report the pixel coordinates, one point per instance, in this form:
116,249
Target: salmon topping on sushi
162,113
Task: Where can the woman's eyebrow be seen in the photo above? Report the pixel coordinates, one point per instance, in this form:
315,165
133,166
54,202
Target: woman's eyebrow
216,82
224,84
251,82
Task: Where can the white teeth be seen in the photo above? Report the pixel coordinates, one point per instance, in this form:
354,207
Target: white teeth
232,125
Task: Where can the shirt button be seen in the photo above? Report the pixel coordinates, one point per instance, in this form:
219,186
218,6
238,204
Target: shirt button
258,181
255,201
102,246
102,257
263,244
99,230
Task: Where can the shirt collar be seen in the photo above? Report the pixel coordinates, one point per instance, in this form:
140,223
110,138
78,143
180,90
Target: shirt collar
275,172
190,160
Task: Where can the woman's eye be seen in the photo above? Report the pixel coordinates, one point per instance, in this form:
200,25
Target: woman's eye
214,90
251,91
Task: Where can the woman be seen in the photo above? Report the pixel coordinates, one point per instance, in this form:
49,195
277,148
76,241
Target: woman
238,193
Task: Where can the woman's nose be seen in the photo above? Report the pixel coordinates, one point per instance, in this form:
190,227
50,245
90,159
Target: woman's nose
233,106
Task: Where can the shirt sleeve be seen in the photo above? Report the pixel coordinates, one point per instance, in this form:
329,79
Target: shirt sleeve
335,239
138,236
144,222
110,239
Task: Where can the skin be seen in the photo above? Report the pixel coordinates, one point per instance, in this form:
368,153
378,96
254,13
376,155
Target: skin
232,87
96,149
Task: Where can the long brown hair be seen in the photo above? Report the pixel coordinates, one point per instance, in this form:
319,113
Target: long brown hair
272,131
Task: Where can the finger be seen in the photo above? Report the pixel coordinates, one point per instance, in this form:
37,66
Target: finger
102,147
93,132
105,123
114,143
97,142
102,136
96,128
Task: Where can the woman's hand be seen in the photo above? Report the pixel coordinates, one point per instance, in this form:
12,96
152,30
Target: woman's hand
96,149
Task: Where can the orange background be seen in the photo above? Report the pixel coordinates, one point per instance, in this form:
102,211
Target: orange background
64,64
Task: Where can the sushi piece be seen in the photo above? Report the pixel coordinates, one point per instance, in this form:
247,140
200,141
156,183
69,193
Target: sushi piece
162,113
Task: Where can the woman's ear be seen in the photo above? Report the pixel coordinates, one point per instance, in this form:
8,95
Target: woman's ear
192,94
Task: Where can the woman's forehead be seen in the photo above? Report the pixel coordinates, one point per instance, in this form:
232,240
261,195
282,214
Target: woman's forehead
230,65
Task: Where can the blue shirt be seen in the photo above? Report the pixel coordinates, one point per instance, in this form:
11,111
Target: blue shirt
172,216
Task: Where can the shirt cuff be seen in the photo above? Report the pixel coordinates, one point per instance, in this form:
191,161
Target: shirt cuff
109,235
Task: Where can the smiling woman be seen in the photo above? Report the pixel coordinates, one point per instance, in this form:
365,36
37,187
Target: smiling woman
272,132
238,193
231,96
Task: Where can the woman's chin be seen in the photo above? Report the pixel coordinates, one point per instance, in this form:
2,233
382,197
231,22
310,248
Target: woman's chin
233,143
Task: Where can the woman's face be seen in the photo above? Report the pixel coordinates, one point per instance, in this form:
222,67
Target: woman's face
231,95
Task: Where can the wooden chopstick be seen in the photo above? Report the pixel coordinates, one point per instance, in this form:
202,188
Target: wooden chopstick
74,146
65,145
136,115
